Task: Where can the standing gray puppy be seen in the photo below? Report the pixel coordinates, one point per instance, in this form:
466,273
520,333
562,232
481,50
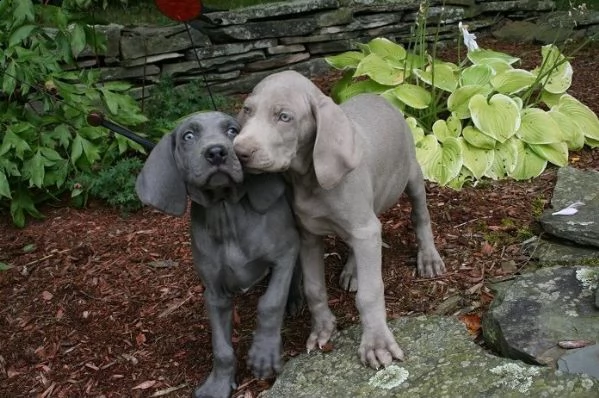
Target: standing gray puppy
242,227
347,164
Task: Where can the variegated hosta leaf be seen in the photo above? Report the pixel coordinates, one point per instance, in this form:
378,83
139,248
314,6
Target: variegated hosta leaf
442,131
463,177
346,60
571,132
560,71
504,159
512,81
499,118
581,114
379,70
454,125
446,162
482,56
457,102
476,160
426,148
478,139
346,88
478,75
417,131
499,66
592,143
555,153
386,48
529,164
412,95
537,127
440,75
550,99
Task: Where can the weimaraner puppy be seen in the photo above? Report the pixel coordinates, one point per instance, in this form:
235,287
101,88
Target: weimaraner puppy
242,227
347,164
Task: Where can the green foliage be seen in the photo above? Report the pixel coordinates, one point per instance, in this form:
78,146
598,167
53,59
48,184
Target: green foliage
168,103
44,135
114,184
484,117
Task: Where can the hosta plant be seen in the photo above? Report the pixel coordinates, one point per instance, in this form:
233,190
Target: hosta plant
483,117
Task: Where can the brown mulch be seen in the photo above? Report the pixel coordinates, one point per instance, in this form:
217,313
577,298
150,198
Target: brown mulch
89,310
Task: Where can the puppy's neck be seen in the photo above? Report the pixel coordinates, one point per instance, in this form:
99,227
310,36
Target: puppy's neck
211,197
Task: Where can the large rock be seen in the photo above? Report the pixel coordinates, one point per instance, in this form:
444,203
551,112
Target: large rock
143,41
573,186
540,309
441,361
552,252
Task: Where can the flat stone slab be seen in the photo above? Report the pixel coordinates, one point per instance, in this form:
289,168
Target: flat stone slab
583,360
554,253
441,361
573,186
538,310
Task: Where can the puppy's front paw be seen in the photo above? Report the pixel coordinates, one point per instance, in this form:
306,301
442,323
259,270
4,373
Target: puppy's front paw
215,387
430,263
264,357
378,348
323,327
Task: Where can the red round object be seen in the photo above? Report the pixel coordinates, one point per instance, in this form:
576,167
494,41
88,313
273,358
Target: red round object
180,10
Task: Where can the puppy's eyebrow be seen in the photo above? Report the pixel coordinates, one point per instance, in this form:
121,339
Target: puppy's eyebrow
227,124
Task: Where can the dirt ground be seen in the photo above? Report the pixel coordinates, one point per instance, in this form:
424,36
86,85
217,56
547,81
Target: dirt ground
101,305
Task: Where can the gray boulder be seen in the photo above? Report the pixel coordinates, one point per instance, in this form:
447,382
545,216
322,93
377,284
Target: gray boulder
540,310
573,186
441,361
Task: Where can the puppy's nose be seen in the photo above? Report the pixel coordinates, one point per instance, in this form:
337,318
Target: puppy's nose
244,156
216,155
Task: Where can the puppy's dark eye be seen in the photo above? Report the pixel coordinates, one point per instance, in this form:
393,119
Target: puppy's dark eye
246,110
284,117
232,132
188,136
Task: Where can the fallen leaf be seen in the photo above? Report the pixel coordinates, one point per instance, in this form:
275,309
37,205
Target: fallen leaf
145,385
29,248
487,248
472,322
569,210
46,295
140,339
328,347
570,344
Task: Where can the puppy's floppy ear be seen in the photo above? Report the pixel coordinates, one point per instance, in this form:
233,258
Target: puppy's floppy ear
336,151
159,183
264,190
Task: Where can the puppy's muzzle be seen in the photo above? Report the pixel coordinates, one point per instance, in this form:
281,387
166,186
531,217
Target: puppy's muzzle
216,155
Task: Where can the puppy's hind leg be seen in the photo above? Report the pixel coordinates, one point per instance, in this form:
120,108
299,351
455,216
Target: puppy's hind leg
349,276
295,300
429,262
221,381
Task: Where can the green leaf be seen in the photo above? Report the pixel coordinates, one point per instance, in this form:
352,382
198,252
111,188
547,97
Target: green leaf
28,248
76,148
446,162
426,148
412,95
5,266
21,33
11,140
504,159
512,81
581,114
379,70
476,75
346,88
538,127
34,169
458,101
386,48
442,130
555,153
499,117
572,134
440,75
560,70
463,177
476,160
4,186
529,164
22,204
78,41
23,12
550,99
482,56
111,100
346,60
476,138
454,125
417,131
9,81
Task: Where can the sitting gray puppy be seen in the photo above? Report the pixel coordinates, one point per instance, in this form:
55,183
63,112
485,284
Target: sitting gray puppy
242,227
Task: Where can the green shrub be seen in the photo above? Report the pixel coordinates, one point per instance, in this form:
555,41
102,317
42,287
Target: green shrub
114,185
44,135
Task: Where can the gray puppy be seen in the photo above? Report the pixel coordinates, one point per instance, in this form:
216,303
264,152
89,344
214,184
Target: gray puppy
242,227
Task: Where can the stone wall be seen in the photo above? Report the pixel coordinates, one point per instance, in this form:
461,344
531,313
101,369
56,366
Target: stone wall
236,49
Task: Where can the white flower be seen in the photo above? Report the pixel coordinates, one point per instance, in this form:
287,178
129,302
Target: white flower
469,38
